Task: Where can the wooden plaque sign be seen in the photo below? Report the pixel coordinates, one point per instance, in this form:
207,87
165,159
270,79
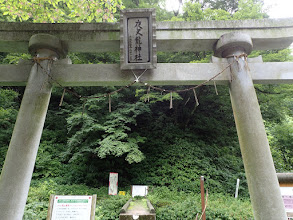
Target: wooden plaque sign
137,39
72,207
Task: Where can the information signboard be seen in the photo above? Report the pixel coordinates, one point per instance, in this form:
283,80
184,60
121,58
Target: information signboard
287,195
71,207
137,39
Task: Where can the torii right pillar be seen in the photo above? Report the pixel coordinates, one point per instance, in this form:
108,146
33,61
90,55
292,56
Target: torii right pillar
260,172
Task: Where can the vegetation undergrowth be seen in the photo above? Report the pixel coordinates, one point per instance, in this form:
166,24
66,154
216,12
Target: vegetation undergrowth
169,204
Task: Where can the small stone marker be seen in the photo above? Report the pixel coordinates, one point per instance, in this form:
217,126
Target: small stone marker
137,39
72,207
113,184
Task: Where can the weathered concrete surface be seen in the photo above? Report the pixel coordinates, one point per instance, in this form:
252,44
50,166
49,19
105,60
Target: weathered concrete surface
20,159
137,209
260,172
47,41
171,36
226,46
125,207
165,74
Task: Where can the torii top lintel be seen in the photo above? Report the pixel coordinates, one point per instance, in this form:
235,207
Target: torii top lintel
171,36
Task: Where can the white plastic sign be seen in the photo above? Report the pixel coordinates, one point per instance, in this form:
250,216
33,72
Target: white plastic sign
138,190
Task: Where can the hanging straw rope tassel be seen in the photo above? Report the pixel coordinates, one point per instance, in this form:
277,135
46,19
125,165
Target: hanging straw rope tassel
215,87
246,63
110,107
195,97
147,98
83,107
148,93
187,101
62,97
171,100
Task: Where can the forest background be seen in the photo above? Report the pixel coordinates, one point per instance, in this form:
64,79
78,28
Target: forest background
146,142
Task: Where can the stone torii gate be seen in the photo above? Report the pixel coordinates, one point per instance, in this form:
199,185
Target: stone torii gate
226,38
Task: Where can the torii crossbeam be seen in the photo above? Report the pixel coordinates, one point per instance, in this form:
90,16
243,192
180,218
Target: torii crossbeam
229,39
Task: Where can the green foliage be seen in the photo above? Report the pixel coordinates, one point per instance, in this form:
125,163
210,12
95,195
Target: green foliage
184,140
111,135
38,200
60,10
274,101
180,57
161,13
227,5
194,11
171,204
109,207
154,96
249,9
40,191
8,98
13,58
284,55
48,162
94,58
281,136
168,204
276,107
117,141
178,166
8,112
221,206
216,14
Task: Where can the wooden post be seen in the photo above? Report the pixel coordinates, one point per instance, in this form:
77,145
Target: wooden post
202,198
50,207
93,209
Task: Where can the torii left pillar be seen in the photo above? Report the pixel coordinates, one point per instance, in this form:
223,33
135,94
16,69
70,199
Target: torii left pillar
21,155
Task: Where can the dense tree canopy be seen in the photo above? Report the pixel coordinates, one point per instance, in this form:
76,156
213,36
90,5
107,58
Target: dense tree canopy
60,10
